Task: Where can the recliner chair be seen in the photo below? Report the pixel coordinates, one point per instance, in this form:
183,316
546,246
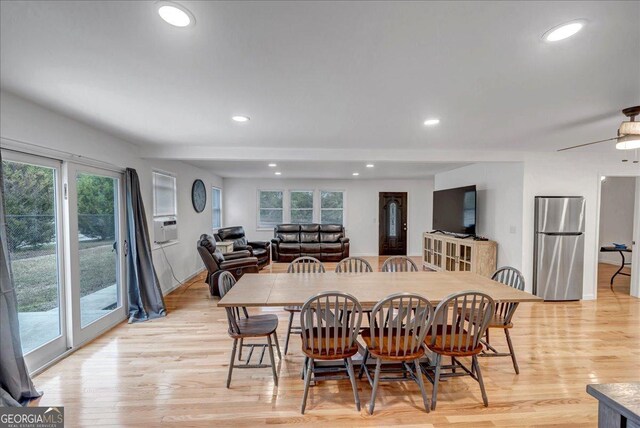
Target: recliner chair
259,249
237,262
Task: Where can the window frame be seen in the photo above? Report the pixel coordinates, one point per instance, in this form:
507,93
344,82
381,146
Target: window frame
154,173
312,209
269,226
219,189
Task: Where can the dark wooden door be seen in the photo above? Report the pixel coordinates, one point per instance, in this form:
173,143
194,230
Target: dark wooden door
393,223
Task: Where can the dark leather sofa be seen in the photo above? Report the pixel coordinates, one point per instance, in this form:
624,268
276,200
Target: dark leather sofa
325,242
258,249
237,262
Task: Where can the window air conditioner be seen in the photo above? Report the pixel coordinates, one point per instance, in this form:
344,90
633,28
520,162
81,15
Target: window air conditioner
165,229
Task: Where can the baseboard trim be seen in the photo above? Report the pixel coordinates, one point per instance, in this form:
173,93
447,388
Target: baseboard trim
177,285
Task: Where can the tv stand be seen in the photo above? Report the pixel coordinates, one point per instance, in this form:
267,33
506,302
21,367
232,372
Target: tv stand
446,252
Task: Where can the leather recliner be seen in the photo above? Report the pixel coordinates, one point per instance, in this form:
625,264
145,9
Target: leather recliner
258,249
325,242
237,263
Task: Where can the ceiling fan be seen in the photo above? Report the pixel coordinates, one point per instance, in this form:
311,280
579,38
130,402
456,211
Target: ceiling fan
628,134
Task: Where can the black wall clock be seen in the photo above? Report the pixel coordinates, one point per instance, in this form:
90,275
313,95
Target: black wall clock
198,195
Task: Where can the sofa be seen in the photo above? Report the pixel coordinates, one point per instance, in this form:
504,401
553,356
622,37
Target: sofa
325,242
237,262
258,249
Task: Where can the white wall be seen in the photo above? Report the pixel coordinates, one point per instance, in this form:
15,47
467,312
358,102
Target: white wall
240,207
499,204
27,122
617,206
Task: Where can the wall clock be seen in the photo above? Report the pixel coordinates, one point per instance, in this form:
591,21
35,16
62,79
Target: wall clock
198,195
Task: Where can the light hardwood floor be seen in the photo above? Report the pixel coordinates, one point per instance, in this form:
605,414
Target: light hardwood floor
172,371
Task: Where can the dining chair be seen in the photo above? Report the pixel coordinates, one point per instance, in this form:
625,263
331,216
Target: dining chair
330,323
242,326
353,265
459,323
300,265
402,321
399,264
504,313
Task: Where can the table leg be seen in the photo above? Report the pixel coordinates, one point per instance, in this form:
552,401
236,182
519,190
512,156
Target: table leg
619,269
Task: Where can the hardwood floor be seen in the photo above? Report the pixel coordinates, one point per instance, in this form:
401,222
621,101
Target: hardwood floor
172,371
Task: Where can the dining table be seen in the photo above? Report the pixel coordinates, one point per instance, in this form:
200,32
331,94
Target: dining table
286,289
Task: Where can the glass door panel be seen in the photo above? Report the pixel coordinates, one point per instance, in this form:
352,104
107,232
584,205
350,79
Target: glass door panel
97,198
33,218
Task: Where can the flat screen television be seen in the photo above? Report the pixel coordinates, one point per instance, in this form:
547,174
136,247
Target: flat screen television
454,210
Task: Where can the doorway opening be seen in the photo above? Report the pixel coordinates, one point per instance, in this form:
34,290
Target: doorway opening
392,214
618,234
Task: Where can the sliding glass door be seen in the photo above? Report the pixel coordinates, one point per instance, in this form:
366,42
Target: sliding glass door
33,203
96,248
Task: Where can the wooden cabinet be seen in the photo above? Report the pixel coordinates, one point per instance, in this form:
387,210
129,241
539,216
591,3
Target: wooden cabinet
447,253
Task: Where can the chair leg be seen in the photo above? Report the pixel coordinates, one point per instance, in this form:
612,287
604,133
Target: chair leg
376,380
273,360
286,342
436,379
364,361
307,381
303,372
275,339
485,400
240,349
352,377
487,335
425,401
511,351
232,362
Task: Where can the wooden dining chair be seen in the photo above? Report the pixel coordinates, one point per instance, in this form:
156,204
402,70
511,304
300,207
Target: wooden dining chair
402,321
459,323
399,264
330,323
504,314
353,265
242,326
300,265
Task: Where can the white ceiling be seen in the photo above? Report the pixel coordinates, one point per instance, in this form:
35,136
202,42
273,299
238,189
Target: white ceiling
356,75
325,170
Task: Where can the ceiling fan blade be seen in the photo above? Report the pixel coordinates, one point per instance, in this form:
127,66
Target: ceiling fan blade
587,144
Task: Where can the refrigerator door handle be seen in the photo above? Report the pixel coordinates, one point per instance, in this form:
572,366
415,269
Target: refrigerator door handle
561,233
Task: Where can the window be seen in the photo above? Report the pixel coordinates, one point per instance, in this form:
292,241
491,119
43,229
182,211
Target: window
216,207
331,207
301,206
270,208
164,195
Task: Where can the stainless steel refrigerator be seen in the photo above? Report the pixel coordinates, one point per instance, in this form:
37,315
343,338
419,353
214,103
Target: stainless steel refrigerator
558,254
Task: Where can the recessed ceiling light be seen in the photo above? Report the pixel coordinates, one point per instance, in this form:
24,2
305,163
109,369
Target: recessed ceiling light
278,173
175,14
355,174
603,178
370,165
273,165
431,122
563,31
240,118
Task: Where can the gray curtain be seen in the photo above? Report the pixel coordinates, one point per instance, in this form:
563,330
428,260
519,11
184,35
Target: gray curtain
145,295
16,387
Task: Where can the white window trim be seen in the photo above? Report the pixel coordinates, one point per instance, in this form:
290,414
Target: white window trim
215,229
285,203
175,193
314,211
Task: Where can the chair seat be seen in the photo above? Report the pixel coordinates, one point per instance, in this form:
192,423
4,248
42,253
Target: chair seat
456,349
293,308
256,326
327,351
497,321
389,353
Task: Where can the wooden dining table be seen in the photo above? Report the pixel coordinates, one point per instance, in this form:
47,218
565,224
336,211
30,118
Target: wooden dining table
285,289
